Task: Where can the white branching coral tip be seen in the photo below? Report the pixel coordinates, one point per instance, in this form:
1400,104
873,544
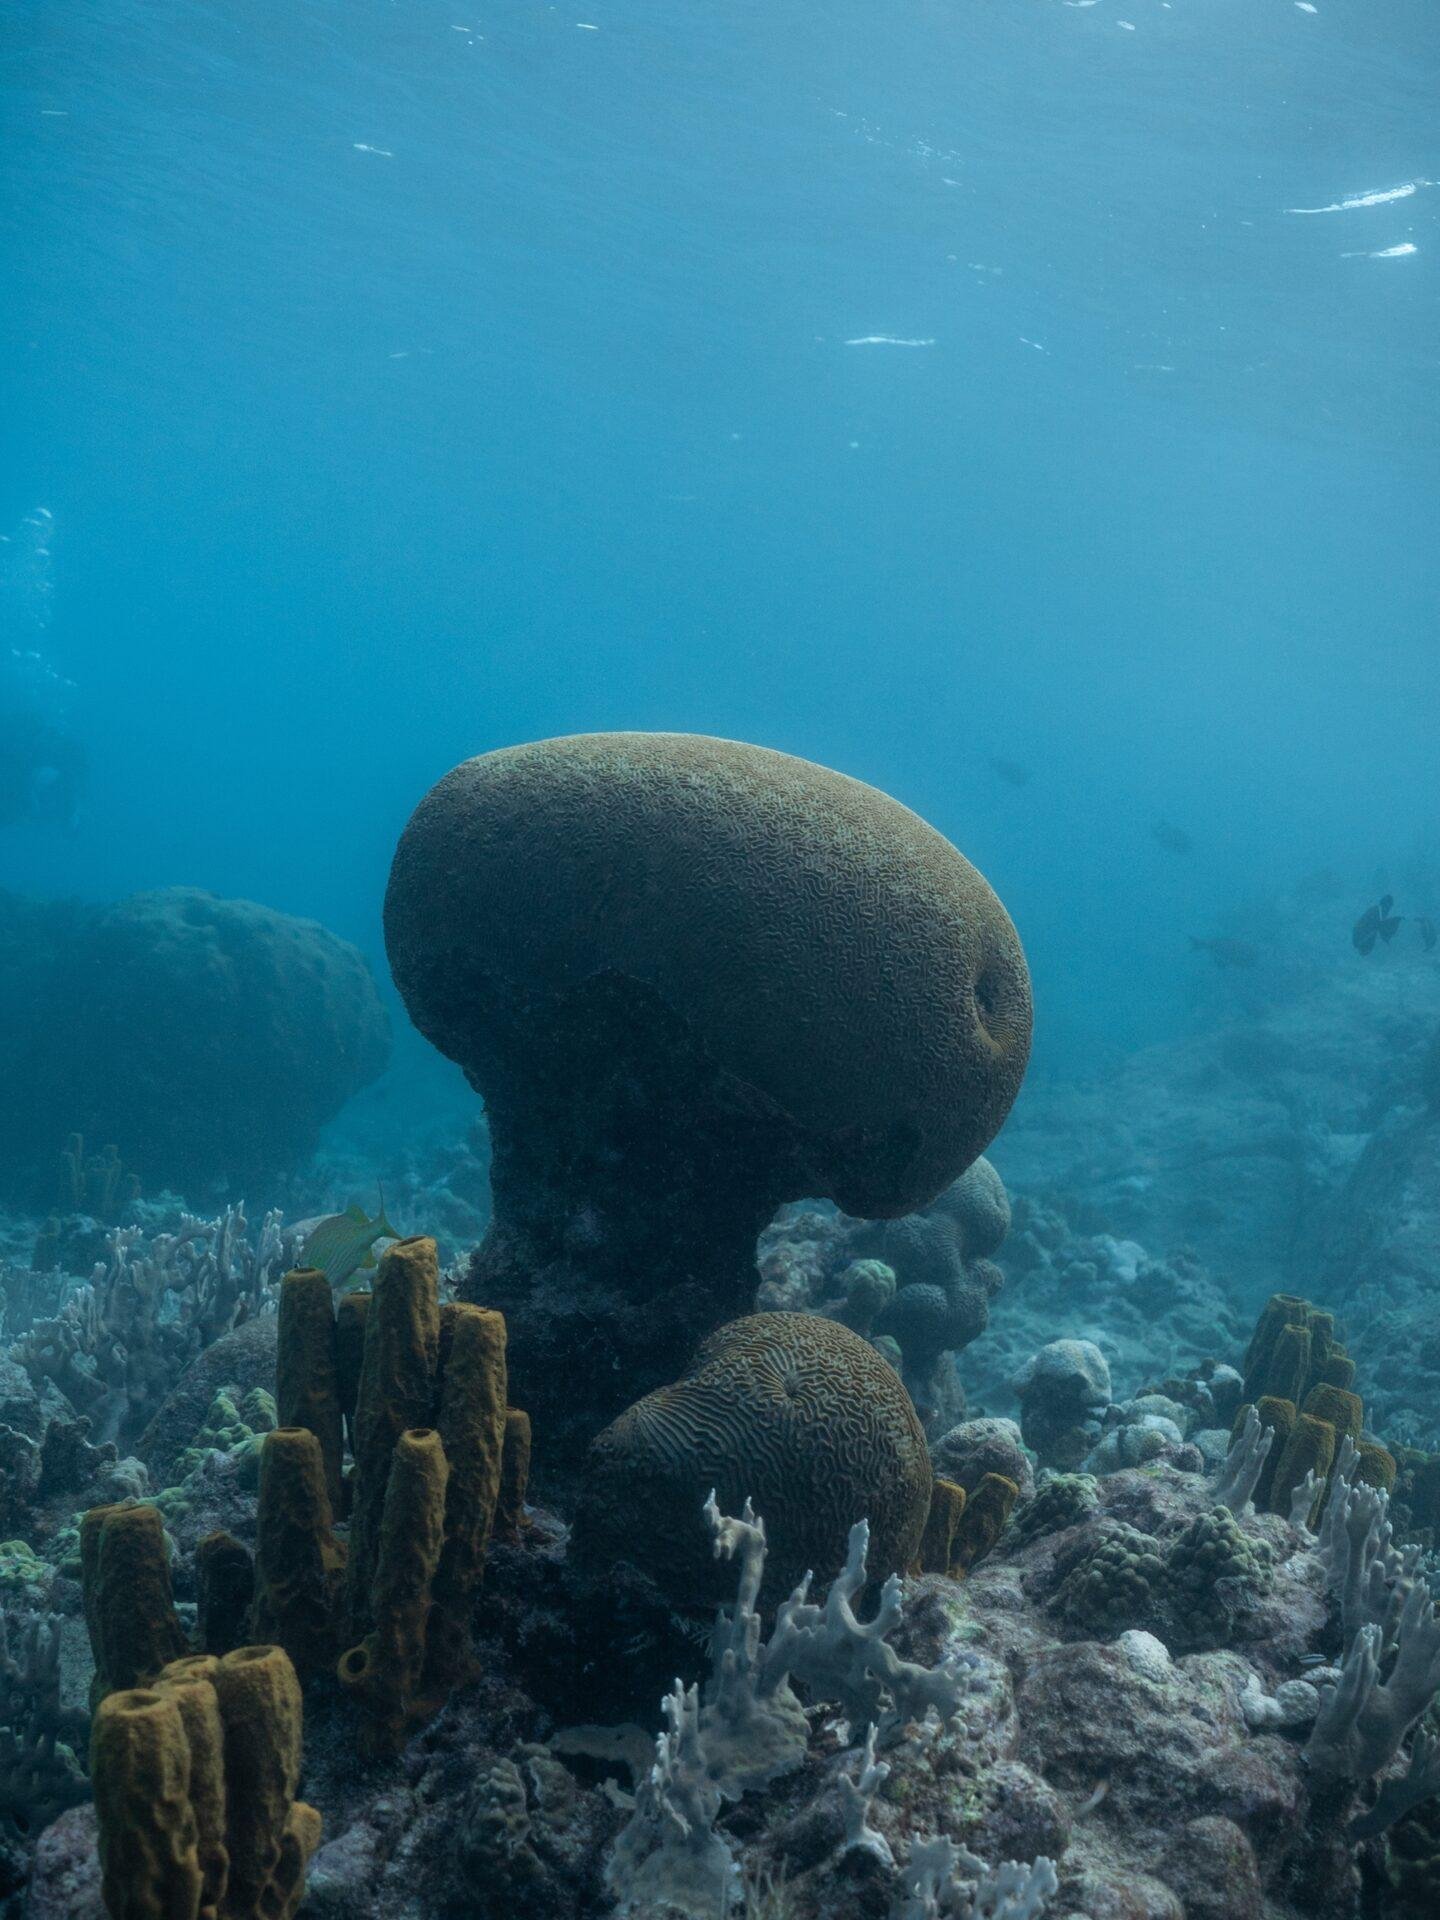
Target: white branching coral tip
1237,1479
749,1727
857,1799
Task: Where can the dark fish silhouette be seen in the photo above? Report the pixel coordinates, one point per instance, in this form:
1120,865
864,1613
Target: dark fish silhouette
1227,953
1427,931
1011,771
1377,923
1173,839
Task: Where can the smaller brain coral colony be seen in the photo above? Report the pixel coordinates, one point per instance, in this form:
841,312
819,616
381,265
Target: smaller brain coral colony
775,1631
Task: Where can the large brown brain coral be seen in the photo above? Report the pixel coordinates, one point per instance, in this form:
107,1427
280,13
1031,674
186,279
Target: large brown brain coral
692,979
823,942
794,1412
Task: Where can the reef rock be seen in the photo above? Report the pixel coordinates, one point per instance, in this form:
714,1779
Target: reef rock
210,1039
1235,1140
244,1359
1378,1255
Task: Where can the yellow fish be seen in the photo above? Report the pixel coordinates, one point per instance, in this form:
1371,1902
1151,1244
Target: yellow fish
343,1243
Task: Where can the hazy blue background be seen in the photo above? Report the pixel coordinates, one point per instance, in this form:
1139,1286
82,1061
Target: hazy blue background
408,379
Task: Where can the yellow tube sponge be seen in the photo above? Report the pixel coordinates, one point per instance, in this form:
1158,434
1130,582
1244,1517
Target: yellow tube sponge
396,1393
225,1591
299,1564
1281,1310
1310,1449
1279,1415
1321,1327
190,1683
261,1711
1340,1408
1376,1467
297,1844
125,1566
982,1522
307,1379
92,1525
514,1475
1288,1368
385,1670
1339,1370
140,1769
471,1426
947,1504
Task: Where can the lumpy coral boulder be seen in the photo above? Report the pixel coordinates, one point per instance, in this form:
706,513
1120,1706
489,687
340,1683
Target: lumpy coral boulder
1064,1390
210,1038
919,1287
692,979
976,1447
790,1411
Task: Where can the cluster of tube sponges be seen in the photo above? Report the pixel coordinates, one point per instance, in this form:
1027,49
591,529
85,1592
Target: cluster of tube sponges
439,1461
961,1528
1300,1381
194,1759
195,1776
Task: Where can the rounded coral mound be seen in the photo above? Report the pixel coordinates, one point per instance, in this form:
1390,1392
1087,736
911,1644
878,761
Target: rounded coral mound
692,979
941,1280
210,1039
794,1412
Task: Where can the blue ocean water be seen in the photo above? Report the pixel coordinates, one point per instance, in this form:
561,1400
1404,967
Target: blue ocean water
910,388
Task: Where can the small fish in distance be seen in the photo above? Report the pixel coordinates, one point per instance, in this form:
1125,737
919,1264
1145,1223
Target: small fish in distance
1173,839
1376,923
1427,932
1010,771
343,1243
1227,953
